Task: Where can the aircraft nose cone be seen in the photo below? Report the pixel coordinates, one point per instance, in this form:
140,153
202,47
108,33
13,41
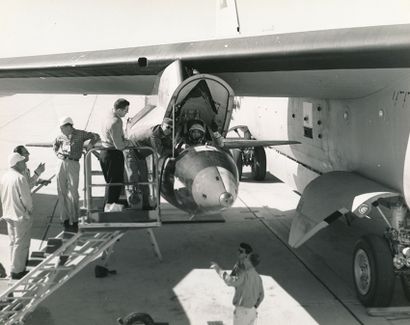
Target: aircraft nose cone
226,199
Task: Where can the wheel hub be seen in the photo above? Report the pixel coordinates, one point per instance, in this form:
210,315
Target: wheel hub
362,272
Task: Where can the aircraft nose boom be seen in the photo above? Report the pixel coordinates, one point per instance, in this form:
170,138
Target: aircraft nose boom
226,199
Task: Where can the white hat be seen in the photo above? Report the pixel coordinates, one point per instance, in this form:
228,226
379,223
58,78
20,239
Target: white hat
66,120
14,158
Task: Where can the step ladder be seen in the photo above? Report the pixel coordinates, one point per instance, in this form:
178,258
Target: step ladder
62,258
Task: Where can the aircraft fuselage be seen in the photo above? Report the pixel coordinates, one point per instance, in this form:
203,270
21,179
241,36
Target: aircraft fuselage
200,180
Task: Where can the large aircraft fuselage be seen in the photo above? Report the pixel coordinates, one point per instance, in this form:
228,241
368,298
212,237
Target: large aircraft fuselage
367,133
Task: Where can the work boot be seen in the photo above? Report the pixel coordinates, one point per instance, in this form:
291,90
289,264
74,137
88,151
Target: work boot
74,228
19,275
3,273
108,207
66,225
116,207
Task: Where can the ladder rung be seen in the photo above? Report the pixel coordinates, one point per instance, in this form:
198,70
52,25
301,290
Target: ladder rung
34,262
23,298
20,290
8,312
38,254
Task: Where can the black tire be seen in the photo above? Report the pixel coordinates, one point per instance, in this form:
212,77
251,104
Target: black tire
373,273
259,164
237,158
405,282
138,319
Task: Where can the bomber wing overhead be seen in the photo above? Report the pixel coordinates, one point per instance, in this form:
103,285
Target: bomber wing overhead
325,64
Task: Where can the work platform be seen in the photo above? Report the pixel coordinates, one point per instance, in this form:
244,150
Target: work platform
126,219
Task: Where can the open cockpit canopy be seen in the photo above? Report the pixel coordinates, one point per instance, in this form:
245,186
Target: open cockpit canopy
203,98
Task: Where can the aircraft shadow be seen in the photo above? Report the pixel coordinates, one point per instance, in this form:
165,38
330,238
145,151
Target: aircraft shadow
270,178
143,284
330,251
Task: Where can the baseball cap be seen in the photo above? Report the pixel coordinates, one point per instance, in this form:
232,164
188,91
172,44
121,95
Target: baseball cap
65,120
14,158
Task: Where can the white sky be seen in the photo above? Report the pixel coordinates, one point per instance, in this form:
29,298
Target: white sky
29,27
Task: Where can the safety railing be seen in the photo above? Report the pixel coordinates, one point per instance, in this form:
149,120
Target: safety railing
130,217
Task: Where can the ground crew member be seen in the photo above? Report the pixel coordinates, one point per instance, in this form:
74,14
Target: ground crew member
249,291
112,158
68,147
243,251
34,179
159,138
17,207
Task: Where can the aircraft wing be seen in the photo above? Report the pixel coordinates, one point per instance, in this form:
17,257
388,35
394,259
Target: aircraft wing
40,144
324,64
232,143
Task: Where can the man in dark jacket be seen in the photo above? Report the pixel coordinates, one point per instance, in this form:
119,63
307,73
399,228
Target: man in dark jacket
159,138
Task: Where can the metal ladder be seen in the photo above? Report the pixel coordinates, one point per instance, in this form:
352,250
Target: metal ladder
61,259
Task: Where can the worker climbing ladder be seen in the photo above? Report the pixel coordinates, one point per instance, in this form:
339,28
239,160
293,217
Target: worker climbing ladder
68,253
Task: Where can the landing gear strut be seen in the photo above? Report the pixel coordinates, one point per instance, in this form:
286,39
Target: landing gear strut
254,157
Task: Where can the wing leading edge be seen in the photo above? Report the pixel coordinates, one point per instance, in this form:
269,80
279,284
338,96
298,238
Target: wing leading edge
133,70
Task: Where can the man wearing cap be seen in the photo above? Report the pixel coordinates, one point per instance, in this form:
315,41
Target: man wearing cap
112,158
17,211
248,286
68,147
157,137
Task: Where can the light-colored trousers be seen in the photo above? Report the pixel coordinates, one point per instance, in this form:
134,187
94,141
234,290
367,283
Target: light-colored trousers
20,234
244,316
68,176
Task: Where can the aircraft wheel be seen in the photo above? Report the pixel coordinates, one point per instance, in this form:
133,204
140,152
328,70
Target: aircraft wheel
373,273
405,281
259,164
137,319
237,158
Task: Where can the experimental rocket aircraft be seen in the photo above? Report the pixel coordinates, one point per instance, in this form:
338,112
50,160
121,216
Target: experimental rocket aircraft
202,178
343,94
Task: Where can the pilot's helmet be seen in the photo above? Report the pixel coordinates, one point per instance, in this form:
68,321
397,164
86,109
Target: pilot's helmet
196,132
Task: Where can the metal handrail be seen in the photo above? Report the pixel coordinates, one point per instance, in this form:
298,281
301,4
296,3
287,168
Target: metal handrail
88,173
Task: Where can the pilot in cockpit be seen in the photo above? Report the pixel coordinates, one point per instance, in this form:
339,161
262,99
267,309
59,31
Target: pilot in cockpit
196,135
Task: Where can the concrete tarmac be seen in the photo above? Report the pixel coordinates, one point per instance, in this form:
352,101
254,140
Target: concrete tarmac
309,285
